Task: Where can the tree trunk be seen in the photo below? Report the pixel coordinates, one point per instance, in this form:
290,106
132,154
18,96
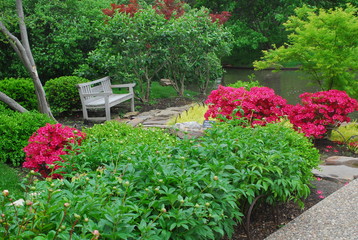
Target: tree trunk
12,103
23,50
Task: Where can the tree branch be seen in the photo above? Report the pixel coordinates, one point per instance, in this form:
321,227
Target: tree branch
12,103
23,31
17,46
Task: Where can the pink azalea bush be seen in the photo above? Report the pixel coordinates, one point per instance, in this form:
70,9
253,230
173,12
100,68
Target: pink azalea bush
47,144
318,112
259,106
321,111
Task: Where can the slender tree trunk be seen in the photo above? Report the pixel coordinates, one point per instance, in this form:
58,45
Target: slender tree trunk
23,50
11,103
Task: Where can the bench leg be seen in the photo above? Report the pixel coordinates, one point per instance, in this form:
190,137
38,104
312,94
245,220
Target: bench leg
85,113
132,104
108,113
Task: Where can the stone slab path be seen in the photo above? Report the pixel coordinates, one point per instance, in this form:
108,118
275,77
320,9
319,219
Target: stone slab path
157,118
338,168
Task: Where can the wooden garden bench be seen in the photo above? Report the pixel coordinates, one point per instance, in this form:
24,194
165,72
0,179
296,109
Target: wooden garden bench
99,94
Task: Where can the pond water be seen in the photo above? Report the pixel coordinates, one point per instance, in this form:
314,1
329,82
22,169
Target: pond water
288,84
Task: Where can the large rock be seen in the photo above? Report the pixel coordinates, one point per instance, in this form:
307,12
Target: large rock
188,129
336,172
342,160
188,126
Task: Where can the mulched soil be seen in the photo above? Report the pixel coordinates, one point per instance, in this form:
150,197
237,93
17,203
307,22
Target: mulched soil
264,219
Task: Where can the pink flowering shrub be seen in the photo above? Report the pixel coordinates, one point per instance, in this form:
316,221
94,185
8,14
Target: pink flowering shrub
259,106
320,111
46,147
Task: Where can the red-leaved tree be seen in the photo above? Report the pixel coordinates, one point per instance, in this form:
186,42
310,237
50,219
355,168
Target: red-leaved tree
129,9
221,18
169,8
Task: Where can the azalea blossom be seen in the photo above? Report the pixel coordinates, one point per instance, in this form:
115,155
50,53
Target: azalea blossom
259,106
47,145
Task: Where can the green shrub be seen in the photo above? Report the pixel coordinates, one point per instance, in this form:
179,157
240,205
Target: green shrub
112,140
271,160
176,189
62,93
15,130
21,90
246,84
4,109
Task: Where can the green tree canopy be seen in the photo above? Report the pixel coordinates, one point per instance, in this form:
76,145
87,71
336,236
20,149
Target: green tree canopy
257,24
61,33
324,43
145,46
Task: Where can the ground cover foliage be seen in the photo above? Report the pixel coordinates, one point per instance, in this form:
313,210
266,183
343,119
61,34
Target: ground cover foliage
127,183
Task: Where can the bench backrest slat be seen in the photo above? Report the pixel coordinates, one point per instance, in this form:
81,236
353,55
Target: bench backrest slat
97,86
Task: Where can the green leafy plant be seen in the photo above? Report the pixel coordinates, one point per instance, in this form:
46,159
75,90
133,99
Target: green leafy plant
151,185
272,160
15,130
62,93
22,90
112,140
246,84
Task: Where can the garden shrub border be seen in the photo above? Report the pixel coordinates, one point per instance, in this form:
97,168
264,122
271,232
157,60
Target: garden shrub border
192,188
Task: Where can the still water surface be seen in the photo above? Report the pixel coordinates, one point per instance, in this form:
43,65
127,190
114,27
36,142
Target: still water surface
288,84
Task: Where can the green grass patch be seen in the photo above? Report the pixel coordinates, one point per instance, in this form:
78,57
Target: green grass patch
9,179
158,91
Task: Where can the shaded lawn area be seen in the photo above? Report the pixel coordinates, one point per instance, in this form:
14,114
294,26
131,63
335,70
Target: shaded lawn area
9,179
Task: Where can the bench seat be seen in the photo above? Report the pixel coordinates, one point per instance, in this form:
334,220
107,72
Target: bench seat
99,94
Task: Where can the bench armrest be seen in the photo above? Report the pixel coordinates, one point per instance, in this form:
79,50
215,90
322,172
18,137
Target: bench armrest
96,94
127,85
